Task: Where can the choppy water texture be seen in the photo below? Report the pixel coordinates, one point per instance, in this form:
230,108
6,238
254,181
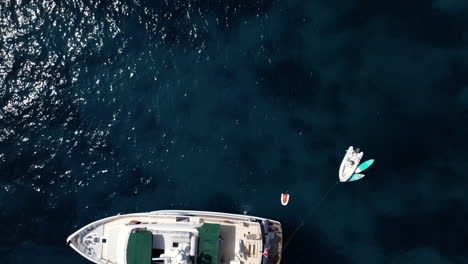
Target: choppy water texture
113,107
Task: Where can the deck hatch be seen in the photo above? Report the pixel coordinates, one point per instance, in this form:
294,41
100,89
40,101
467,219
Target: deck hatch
208,244
139,247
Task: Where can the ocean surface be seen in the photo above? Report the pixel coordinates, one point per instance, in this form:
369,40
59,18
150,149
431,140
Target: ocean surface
111,107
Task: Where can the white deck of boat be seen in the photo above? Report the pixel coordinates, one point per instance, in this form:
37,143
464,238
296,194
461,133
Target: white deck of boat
231,232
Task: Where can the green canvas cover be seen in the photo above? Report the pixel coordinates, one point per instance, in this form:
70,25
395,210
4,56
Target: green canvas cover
139,247
208,244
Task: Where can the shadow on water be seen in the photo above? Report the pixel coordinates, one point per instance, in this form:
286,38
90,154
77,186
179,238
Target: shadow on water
443,229
291,82
30,218
219,202
309,246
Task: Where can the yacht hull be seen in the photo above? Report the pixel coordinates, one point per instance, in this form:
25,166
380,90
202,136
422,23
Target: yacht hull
98,241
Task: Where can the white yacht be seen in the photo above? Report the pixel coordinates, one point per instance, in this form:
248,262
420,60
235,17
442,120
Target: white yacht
182,237
349,164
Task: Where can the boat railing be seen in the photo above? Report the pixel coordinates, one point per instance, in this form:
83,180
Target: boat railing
106,261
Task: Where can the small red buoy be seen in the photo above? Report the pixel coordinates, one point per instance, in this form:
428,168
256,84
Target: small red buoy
284,199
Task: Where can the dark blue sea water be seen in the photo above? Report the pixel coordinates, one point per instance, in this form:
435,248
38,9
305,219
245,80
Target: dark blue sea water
111,107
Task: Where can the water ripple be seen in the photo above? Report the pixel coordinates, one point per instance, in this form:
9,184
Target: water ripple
93,96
